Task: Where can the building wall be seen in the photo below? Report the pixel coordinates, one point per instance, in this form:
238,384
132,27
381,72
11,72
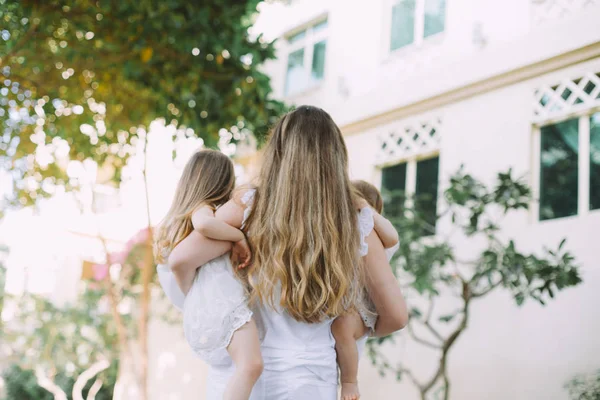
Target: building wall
478,80
507,351
364,80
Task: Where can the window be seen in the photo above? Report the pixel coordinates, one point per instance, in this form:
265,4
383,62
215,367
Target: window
418,178
416,20
427,188
559,170
393,184
569,167
306,58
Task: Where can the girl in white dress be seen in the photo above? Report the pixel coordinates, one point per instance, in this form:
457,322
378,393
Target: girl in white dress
312,256
350,328
215,312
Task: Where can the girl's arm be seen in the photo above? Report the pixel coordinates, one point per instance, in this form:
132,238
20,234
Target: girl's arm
384,290
204,221
192,252
196,249
232,212
385,230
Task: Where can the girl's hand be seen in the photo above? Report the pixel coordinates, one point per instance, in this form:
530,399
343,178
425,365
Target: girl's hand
240,253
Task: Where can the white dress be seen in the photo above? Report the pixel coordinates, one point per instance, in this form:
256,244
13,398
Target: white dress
299,358
213,309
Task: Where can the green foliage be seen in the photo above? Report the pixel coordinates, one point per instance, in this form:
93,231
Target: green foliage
63,341
21,384
79,76
432,265
584,387
473,210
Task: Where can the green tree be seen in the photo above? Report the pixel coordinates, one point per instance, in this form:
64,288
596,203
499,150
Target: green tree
431,266
78,78
83,79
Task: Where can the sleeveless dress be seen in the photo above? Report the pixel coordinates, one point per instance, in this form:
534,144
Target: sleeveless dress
213,309
299,358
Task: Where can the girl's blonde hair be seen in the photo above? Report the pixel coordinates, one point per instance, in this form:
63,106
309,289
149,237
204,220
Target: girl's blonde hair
303,223
207,179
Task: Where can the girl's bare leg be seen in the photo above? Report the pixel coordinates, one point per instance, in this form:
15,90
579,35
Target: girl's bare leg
347,330
244,350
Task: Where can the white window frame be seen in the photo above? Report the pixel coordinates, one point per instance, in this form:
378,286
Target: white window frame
583,167
419,40
308,44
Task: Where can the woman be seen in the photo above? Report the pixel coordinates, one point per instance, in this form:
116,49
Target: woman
311,256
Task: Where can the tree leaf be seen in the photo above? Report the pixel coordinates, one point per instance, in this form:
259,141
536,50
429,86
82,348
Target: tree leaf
519,298
447,318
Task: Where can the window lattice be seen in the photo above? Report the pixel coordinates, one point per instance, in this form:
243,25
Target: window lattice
404,141
567,97
547,10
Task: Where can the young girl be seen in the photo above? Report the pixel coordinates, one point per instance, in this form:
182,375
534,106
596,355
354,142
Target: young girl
349,328
215,312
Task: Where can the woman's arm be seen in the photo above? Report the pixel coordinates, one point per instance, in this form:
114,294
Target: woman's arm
384,289
385,230
192,252
204,221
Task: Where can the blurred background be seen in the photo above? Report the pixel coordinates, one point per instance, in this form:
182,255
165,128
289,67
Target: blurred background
479,120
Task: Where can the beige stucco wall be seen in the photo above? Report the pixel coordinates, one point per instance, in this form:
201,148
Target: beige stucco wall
507,352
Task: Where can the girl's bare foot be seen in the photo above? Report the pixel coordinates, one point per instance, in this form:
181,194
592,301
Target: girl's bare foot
350,391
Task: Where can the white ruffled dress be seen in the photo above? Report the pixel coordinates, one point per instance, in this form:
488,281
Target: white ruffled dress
213,309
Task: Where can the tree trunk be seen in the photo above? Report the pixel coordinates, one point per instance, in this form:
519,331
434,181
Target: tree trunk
94,389
148,263
45,382
147,267
127,386
86,375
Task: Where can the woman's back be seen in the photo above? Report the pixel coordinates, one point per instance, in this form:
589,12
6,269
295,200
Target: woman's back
299,357
307,242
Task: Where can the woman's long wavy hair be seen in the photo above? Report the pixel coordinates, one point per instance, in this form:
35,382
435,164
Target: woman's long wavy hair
303,223
207,179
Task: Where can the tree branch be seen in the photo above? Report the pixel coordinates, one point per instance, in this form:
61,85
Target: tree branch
410,375
30,32
422,341
427,321
146,280
94,389
45,382
86,375
486,291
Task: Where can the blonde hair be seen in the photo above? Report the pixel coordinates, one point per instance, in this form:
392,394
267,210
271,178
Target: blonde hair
370,194
303,223
207,179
